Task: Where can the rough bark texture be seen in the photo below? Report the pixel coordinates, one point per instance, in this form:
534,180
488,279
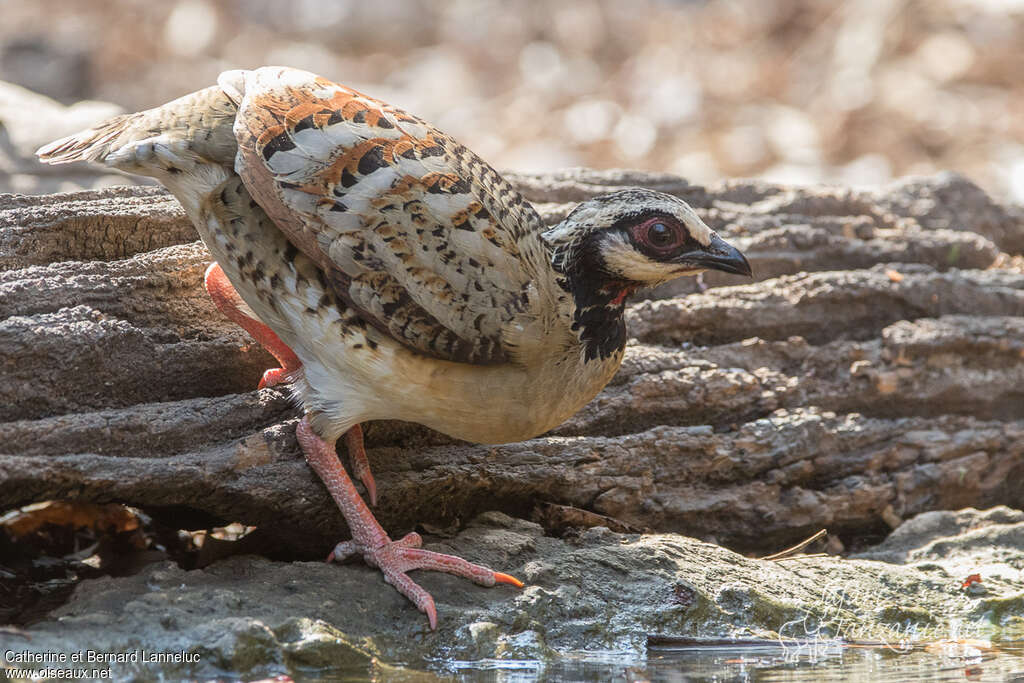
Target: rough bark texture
873,371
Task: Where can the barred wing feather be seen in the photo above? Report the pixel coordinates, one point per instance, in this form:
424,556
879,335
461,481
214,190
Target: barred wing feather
423,238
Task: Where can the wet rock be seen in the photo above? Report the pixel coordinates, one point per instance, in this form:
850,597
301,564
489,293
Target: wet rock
936,536
601,592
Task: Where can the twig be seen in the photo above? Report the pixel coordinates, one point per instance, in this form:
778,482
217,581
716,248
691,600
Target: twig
788,552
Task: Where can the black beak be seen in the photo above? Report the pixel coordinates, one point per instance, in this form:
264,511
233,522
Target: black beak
718,255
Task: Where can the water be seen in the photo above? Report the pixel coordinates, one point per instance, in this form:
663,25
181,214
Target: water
767,661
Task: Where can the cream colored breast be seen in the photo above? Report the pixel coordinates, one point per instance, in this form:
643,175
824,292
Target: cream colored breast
504,404
483,404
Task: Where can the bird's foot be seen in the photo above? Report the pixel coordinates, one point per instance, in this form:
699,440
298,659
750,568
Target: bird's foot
228,302
395,558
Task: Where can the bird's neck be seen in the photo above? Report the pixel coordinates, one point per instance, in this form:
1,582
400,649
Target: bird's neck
598,301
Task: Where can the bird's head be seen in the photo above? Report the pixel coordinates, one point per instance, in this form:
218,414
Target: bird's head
620,242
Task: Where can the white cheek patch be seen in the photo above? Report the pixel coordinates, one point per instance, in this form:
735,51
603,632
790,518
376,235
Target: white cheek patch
697,228
624,261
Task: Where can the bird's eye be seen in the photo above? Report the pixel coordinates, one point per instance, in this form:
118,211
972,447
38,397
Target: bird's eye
661,235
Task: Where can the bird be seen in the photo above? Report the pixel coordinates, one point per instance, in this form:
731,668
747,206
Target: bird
394,274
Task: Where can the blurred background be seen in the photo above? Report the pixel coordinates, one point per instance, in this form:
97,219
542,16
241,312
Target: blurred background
788,90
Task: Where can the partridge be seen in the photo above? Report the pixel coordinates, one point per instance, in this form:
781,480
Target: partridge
396,275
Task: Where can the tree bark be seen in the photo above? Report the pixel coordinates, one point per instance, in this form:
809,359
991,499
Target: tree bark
874,370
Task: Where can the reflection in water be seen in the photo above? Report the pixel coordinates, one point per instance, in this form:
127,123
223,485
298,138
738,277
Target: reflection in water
750,661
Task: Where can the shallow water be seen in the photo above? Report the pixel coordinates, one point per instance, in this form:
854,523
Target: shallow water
818,661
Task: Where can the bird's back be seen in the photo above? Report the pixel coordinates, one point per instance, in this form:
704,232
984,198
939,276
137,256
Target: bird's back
392,260
419,235
415,231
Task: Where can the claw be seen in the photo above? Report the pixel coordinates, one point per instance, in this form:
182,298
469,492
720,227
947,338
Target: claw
360,464
507,578
431,613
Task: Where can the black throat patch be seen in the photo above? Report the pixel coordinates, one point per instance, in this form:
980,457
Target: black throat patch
599,298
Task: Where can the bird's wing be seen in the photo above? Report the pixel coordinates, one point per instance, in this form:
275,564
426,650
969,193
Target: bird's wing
416,232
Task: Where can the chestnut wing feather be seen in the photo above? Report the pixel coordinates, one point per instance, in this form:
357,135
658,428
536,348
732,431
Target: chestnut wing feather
414,231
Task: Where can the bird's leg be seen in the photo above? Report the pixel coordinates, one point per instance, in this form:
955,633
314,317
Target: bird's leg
360,465
227,301
393,558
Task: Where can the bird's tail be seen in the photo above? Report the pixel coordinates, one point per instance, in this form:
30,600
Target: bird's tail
93,144
191,128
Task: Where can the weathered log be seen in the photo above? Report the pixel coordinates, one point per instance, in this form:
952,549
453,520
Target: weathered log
885,384
93,224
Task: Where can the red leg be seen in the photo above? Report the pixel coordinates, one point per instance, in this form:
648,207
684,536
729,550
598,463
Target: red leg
394,558
227,301
230,304
360,465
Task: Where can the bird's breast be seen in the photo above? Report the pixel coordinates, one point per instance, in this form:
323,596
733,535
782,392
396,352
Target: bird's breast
509,403
483,404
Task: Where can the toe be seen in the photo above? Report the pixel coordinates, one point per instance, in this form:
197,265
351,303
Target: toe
395,558
416,558
410,540
343,551
398,557
412,590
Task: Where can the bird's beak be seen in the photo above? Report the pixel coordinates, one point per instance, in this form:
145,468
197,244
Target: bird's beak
718,255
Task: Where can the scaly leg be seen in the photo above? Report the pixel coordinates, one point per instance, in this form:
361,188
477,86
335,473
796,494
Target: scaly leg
394,558
226,299
360,465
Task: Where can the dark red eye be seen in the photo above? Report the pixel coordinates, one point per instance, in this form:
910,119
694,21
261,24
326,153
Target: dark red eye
658,233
